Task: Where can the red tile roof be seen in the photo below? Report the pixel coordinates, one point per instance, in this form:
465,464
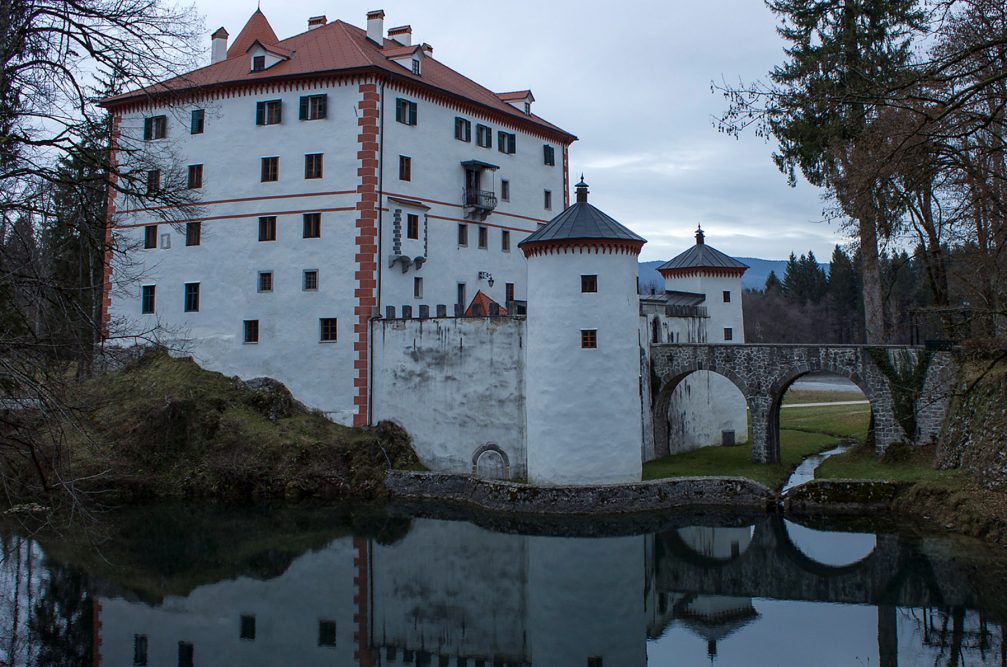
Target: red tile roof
335,48
483,301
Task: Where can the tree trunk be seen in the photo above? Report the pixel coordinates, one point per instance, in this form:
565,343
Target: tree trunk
870,268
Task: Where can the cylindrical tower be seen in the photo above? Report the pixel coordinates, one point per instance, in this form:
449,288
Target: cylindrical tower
582,377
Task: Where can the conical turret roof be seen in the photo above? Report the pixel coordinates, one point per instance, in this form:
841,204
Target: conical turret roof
702,257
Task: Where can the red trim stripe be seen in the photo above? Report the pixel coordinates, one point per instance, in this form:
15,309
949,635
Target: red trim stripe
247,199
259,214
367,245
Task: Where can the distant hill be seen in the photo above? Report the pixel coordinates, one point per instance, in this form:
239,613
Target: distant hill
754,278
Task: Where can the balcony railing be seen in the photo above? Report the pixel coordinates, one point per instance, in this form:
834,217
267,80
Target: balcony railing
481,199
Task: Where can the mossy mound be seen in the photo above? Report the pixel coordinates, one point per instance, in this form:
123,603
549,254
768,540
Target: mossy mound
164,427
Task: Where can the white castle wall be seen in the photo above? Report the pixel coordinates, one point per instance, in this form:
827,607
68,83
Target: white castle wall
702,407
317,586
583,405
456,385
722,314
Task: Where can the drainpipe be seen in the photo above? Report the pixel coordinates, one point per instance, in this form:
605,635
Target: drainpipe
381,197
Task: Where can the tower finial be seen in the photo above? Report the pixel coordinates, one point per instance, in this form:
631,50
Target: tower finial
582,191
699,235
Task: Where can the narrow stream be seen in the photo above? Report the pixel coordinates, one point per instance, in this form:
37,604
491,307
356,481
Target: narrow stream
805,471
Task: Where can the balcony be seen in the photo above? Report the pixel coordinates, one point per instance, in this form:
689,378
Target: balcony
479,203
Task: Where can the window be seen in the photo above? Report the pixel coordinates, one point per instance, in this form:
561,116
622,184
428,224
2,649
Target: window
195,176
198,121
549,155
191,297
483,237
328,335
405,111
405,168
313,165
416,67
547,200
589,338
193,233
153,181
463,234
269,112
314,107
270,169
150,236
418,288
527,107
312,225
504,189
728,333
247,627
412,226
461,295
594,662
147,299
463,129
185,654
507,142
258,63
484,136
508,292
267,228
727,296
251,331
589,283
505,240
310,282
155,127
140,650
265,281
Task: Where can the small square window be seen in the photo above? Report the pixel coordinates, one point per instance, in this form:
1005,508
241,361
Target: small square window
269,112
147,299
153,181
504,189
547,199
155,127
589,283
463,129
139,650
270,169
265,281
310,282
314,107
589,338
191,297
150,236
412,226
313,165
186,655
312,225
484,136
258,63
193,233
328,335
247,627
251,331
483,237
418,288
727,296
405,168
198,121
728,333
195,176
267,228
463,234
405,111
505,240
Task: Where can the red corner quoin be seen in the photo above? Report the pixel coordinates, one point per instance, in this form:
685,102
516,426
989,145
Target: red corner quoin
367,244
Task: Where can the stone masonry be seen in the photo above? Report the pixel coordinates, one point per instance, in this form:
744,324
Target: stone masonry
764,372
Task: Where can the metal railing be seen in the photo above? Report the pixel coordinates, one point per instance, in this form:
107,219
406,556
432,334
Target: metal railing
480,199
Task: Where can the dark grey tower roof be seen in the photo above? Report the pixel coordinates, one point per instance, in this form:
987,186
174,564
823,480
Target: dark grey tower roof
702,256
582,221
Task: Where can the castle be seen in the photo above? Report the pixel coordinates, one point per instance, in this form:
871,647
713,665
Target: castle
392,240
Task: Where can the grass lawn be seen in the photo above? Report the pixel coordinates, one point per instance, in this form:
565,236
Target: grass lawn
820,396
899,464
803,431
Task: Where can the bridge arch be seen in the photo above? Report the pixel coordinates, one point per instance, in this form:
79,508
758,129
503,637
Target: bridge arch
662,399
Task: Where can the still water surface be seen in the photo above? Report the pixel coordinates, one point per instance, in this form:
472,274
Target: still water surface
171,586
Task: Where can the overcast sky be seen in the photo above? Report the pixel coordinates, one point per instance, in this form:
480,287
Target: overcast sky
632,81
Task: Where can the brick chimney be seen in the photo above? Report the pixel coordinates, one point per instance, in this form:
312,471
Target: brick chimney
376,26
218,46
403,35
317,22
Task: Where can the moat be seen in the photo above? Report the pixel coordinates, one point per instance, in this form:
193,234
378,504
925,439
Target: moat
180,585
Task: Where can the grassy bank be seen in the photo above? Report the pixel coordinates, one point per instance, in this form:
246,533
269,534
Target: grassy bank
803,431
163,427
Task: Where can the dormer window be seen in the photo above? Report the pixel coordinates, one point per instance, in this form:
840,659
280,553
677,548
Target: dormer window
527,107
258,63
416,66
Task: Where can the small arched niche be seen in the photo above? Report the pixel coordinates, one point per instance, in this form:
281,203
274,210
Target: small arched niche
490,462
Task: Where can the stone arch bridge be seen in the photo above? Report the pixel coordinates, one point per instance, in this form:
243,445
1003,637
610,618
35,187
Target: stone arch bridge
908,387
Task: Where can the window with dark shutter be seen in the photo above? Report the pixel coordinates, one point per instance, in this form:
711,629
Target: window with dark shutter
507,142
405,111
269,112
549,155
314,107
155,127
463,129
197,122
484,136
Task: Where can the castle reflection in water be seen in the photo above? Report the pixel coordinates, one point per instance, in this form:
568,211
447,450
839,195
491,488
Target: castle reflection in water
454,594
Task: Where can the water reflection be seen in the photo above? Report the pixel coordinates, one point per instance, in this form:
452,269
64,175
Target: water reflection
454,594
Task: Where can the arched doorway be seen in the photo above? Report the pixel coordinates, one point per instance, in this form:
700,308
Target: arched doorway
698,408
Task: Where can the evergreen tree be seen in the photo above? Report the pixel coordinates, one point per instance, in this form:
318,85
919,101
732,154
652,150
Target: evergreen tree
773,284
